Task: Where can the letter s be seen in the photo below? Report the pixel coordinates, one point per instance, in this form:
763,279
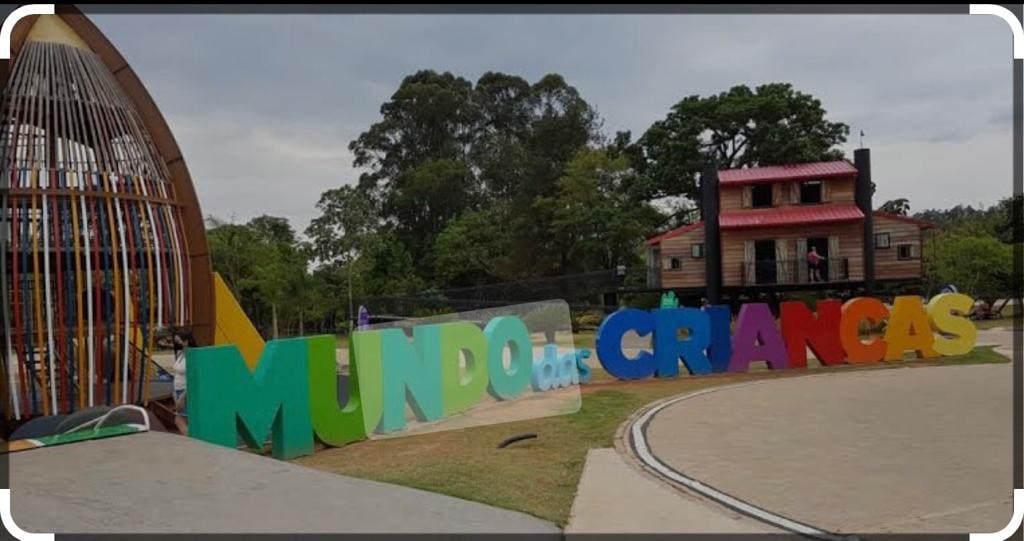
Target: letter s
944,321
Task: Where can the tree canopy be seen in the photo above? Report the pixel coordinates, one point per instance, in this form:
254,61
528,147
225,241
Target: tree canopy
742,127
467,184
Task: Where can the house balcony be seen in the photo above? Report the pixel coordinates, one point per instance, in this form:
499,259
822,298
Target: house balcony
794,271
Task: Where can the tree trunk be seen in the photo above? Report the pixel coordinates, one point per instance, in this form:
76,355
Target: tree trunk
302,326
273,318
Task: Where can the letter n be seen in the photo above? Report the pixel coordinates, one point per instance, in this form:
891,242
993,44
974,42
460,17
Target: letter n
801,330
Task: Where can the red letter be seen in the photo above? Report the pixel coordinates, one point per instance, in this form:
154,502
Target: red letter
801,329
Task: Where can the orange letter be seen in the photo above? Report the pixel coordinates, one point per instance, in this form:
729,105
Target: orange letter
855,311
909,329
801,329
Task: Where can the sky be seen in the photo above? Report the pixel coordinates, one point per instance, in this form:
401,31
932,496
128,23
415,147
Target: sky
264,106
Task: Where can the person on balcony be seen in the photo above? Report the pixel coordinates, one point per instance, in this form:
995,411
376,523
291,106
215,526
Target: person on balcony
814,260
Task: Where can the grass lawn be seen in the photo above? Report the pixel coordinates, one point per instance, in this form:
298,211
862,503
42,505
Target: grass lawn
539,476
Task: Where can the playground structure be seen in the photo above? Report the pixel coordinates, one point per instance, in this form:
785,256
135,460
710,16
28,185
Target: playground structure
103,241
759,225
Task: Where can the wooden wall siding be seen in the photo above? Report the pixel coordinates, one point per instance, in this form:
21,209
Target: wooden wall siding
839,191
692,272
850,242
887,262
731,197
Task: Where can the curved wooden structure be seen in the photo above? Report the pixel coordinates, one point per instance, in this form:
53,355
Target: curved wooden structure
103,238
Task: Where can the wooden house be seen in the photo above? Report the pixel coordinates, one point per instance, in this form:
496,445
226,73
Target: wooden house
760,224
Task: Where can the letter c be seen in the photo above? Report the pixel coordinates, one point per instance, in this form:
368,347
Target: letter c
609,344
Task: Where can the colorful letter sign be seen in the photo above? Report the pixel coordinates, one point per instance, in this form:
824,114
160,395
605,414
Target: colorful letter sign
833,334
292,393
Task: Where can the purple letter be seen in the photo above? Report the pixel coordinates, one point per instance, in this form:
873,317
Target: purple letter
757,339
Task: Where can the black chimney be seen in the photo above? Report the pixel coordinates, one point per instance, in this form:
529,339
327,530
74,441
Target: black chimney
862,194
712,235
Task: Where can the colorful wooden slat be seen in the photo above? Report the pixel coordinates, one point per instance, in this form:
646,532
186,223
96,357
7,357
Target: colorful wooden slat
93,254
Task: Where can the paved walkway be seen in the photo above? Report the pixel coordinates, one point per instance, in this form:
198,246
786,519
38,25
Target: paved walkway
924,449
160,483
614,497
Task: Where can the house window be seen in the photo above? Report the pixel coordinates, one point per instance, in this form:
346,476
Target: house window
810,192
761,195
905,251
676,263
697,250
882,241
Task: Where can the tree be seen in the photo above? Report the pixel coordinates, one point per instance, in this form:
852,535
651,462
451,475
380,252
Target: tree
347,218
386,268
445,148
431,116
273,229
900,207
263,264
996,221
424,200
594,222
343,232
769,125
473,249
980,266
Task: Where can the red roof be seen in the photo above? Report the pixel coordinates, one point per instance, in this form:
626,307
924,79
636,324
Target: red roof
920,223
787,216
779,173
674,233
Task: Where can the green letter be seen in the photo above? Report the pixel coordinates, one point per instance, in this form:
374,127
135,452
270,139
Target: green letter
461,392
411,375
332,424
225,398
366,369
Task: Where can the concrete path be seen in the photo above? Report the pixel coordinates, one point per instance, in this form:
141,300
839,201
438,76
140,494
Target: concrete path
161,483
924,449
1000,337
614,497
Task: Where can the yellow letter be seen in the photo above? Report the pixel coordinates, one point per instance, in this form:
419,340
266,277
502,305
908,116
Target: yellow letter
908,329
957,334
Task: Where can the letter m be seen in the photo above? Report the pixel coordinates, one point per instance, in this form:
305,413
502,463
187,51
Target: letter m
225,399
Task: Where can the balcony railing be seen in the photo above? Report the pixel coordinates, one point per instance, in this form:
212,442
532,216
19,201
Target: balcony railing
794,271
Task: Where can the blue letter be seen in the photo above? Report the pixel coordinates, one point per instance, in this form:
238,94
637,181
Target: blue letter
609,344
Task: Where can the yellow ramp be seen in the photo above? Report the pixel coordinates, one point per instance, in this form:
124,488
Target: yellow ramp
233,326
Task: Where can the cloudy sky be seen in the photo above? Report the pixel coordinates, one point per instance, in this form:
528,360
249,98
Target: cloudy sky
264,106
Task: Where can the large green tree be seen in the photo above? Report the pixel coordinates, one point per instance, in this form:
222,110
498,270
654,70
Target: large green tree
741,127
445,148
980,266
347,218
264,265
594,221
474,249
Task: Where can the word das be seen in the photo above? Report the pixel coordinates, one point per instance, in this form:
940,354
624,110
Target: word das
292,393
832,334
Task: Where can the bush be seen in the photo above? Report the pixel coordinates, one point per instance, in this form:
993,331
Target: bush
588,320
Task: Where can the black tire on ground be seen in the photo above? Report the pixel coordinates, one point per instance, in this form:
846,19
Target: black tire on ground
518,437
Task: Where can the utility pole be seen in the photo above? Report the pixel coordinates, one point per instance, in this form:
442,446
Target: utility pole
351,314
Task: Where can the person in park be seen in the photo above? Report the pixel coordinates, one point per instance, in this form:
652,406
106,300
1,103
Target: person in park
180,340
814,260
